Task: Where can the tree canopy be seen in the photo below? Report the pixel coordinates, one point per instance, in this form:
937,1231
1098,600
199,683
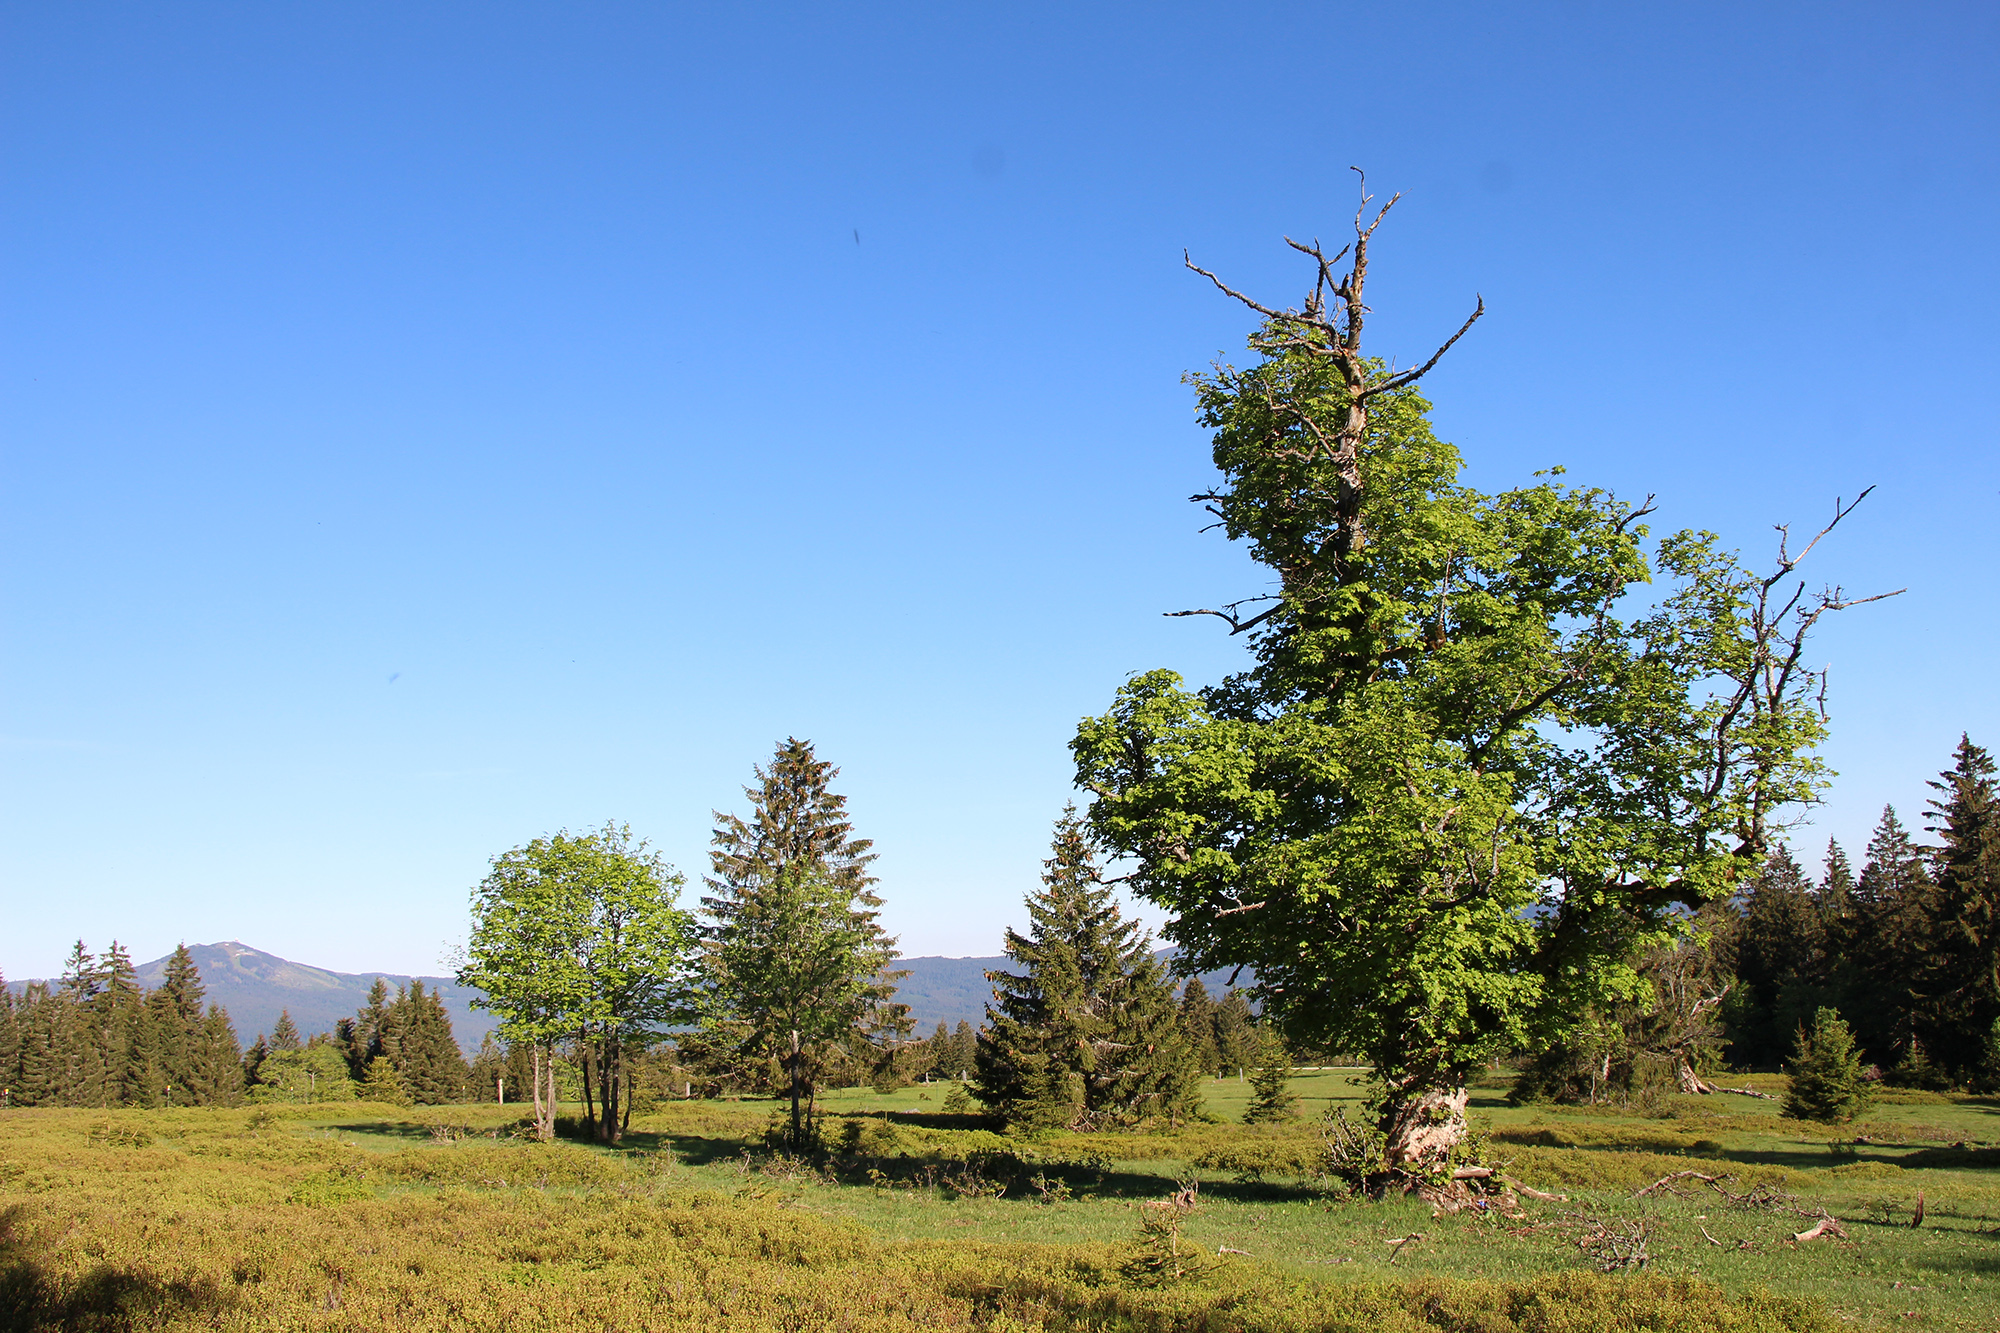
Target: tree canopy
580,936
1469,774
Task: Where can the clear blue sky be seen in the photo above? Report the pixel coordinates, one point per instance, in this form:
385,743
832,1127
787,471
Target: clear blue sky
427,426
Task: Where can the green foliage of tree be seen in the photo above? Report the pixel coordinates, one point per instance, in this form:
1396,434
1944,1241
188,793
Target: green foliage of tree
1826,1081
1198,1026
381,1083
1087,1033
579,936
799,964
96,1038
1956,977
1881,940
1467,776
1784,958
1235,1032
1274,1102
1665,1039
313,1073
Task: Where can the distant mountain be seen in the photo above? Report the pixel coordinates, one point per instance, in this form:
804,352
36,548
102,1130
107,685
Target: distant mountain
952,989
254,986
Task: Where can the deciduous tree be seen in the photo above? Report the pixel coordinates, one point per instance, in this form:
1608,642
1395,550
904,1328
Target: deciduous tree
580,936
1466,778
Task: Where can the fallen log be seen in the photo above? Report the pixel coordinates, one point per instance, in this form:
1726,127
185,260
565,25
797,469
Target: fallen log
1749,1092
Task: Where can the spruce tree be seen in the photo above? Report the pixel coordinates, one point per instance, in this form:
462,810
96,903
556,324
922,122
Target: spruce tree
380,1083
1274,1102
174,1013
1884,940
937,1051
1086,1032
427,1060
1145,1070
799,959
1826,1082
1235,1038
1958,976
253,1060
1782,962
285,1033
1198,1026
10,1045
216,1071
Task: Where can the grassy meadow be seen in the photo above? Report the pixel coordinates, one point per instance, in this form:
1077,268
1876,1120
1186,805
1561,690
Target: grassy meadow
371,1216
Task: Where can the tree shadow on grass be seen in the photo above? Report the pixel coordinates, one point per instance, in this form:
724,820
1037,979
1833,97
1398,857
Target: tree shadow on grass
107,1298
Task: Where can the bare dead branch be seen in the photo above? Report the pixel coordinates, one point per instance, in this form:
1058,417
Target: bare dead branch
1228,290
1412,376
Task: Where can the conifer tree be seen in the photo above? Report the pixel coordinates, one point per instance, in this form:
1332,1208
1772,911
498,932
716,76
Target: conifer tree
1826,1082
1958,975
964,1046
1087,1032
427,1059
1883,940
380,1083
799,960
1198,1026
1782,962
1274,1102
253,1060
216,1071
285,1033
10,1045
1235,1038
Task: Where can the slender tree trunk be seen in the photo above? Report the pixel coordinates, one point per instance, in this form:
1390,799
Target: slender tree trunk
544,1110
610,1067
584,1053
549,1129
797,1071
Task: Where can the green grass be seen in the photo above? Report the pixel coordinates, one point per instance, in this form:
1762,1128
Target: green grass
433,1217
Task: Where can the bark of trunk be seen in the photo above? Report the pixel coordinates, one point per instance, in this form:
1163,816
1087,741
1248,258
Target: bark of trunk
610,1061
589,1071
795,1069
1692,1083
544,1109
1422,1126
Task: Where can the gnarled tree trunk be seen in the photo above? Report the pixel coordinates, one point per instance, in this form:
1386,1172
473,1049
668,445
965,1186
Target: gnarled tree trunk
1422,1125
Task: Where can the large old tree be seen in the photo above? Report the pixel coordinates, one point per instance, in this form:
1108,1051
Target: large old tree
1468,774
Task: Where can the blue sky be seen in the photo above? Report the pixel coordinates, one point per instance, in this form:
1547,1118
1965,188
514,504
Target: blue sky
427,426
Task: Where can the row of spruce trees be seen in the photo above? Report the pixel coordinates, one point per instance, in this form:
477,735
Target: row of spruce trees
1904,956
96,1037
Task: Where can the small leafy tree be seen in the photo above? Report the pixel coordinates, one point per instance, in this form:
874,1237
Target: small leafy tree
579,937
1826,1082
1465,778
